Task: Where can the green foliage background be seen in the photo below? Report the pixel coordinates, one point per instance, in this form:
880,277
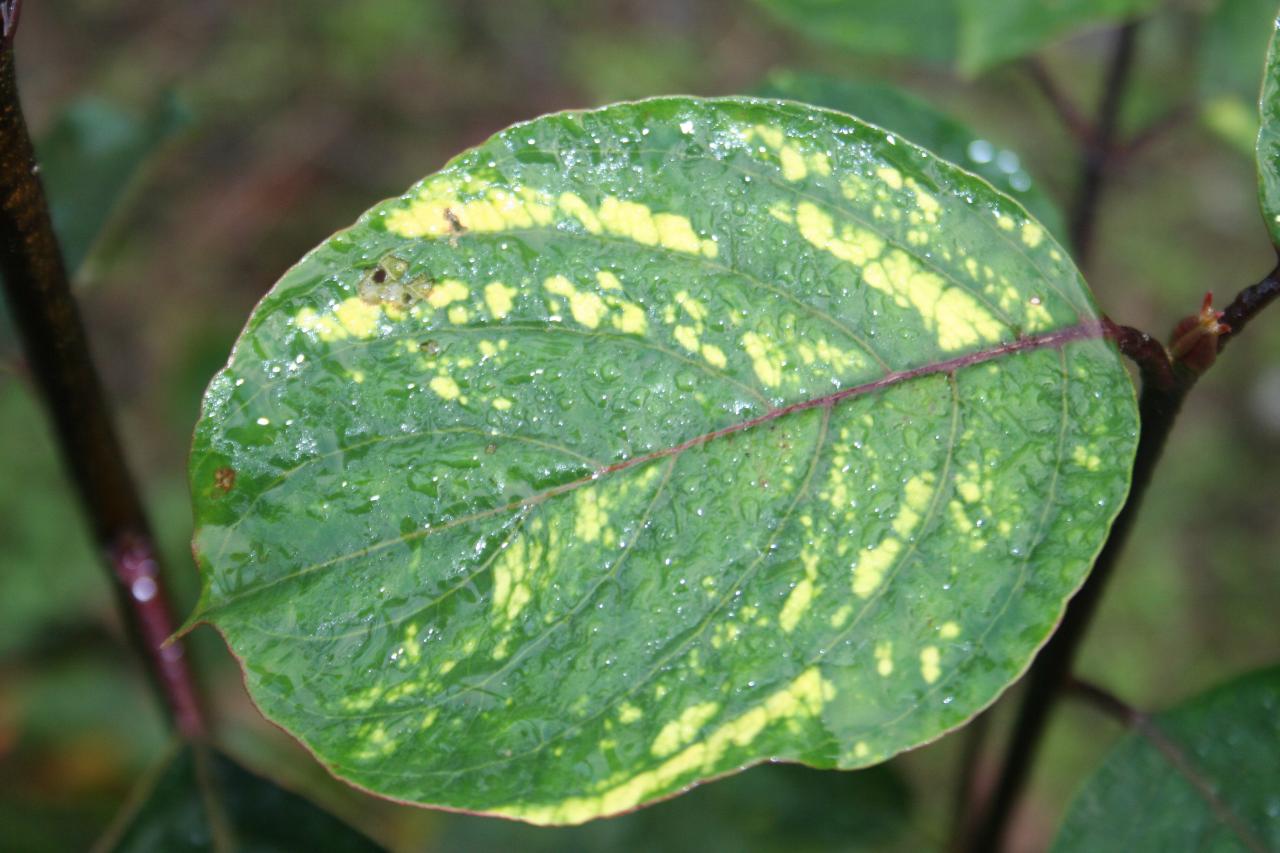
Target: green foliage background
305,113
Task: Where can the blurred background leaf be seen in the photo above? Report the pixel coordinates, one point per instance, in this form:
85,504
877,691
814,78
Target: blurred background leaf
778,808
89,159
1205,777
199,799
925,29
1233,44
991,33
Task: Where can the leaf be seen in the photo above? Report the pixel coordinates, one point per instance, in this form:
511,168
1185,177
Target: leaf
88,160
202,800
915,119
39,532
782,807
1205,778
1269,140
918,28
643,444
992,33
1233,43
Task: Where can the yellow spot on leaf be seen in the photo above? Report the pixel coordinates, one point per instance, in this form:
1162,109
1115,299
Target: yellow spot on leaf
687,338
930,658
890,176
796,605
1082,457
676,232
793,166
630,319
714,356
445,387
683,729
325,328
458,315
446,292
766,358
884,658
499,298
591,516
629,219
1032,234
581,211
871,566
870,570
440,211
502,404
511,590
587,308
855,245
628,713
803,698
954,315
949,631
608,281
358,317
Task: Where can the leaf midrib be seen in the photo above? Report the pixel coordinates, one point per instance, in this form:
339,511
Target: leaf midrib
1091,330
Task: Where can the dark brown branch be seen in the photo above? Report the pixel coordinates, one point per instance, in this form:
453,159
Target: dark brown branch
1106,702
1165,386
1156,129
1068,113
1142,723
1247,304
1097,153
53,337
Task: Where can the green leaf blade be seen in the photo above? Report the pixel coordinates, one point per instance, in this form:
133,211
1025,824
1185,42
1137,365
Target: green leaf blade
670,438
992,33
1269,140
919,121
203,800
1203,777
916,28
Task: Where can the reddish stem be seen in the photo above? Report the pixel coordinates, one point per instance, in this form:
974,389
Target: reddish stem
57,351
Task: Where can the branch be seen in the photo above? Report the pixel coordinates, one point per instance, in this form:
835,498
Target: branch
1247,304
1156,129
1075,122
1097,152
48,322
1167,379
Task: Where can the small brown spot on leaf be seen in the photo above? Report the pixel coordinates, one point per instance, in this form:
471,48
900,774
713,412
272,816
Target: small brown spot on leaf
455,224
491,448
224,479
429,347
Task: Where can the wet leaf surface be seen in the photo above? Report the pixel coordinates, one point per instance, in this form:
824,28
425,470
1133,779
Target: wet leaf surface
920,122
640,445
1208,779
1269,140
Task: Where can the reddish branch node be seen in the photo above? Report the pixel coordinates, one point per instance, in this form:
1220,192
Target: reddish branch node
1194,341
